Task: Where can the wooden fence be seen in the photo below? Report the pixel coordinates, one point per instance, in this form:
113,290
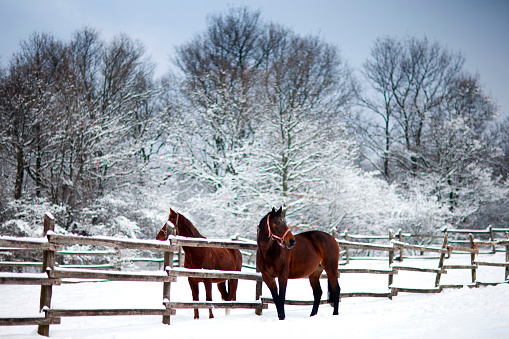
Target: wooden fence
52,274
489,232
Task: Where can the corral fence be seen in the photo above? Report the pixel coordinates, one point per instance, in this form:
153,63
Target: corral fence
395,249
52,275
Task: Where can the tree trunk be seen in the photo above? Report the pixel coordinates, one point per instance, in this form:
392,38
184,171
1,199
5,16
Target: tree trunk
19,174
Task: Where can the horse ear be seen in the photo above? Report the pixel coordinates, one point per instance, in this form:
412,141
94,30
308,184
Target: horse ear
273,211
280,210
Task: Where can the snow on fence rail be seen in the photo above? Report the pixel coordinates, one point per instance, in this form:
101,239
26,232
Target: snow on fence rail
488,232
51,274
447,248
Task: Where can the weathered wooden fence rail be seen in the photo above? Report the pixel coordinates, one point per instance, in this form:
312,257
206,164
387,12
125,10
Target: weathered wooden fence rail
52,244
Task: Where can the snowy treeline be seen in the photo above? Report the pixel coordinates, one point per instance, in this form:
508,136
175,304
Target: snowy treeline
250,115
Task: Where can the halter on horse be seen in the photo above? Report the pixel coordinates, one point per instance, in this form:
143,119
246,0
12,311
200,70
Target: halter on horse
279,240
163,233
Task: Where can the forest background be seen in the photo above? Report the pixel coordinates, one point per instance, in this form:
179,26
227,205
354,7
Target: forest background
251,115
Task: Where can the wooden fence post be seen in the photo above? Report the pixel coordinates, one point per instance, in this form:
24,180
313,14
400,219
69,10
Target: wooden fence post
258,294
168,261
118,259
441,260
259,284
507,256
472,257
180,263
48,261
400,236
490,229
391,259
346,248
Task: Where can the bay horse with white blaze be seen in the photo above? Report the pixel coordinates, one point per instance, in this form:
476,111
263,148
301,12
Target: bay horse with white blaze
204,258
284,256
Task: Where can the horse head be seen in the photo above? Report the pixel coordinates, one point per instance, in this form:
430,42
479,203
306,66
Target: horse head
170,224
278,230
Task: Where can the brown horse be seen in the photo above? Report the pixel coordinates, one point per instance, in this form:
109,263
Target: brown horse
306,255
204,257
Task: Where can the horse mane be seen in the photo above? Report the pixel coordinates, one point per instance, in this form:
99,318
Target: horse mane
263,222
194,233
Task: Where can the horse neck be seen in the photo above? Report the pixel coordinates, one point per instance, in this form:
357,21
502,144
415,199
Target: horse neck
263,235
187,229
262,229
195,255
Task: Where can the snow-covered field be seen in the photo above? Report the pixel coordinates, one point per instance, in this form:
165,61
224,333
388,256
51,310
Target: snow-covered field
459,313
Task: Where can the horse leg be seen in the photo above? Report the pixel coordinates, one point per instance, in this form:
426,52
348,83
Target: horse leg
208,294
271,284
334,290
224,295
232,292
314,280
195,291
222,289
228,294
282,296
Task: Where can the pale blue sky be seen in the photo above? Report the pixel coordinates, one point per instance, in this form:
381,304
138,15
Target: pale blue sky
479,29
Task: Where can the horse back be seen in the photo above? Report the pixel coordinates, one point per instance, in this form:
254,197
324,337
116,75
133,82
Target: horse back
324,243
229,259
213,259
312,248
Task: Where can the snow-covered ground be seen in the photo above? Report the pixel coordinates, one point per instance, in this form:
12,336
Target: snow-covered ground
459,313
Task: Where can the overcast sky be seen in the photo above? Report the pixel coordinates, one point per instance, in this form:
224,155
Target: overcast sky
479,29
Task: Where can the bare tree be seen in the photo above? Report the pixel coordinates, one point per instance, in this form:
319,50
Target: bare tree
221,69
432,123
259,102
409,79
27,101
501,137
466,98
307,87
383,74
75,115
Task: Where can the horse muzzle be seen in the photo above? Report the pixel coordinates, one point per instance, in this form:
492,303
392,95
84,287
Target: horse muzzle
164,232
287,239
290,243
